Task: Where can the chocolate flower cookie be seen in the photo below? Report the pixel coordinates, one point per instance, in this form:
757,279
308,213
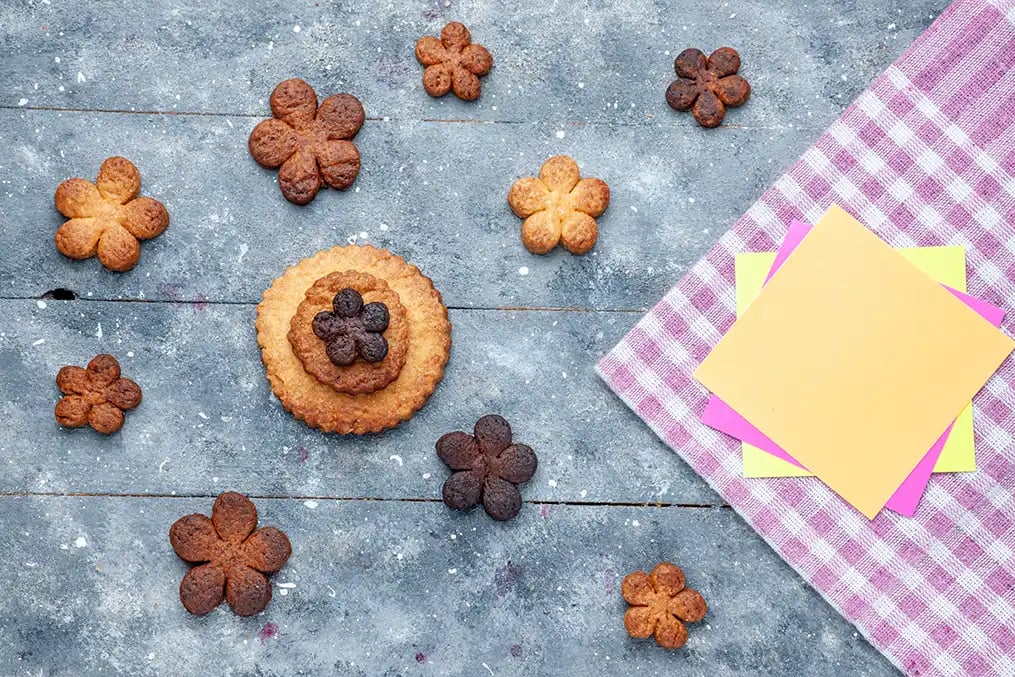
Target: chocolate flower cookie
107,217
95,396
453,63
231,557
311,144
660,605
487,468
353,330
710,84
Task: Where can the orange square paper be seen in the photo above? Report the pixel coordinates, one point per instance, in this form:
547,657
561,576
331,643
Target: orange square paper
853,360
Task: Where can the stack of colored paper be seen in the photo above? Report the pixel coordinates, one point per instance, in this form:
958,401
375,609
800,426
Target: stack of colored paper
853,362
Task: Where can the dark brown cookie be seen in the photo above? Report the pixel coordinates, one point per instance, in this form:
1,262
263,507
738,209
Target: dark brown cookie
95,396
453,63
232,558
487,467
311,144
660,605
353,330
709,84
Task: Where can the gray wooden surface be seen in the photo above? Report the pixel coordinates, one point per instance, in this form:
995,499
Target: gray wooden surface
384,580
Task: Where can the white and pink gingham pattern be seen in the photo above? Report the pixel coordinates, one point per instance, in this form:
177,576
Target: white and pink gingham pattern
925,156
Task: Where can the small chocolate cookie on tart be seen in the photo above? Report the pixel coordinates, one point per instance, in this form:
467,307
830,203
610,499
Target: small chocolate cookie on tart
354,339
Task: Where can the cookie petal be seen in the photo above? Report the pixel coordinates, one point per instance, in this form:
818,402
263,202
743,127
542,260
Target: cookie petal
466,85
579,232
78,238
724,61
271,142
202,589
733,90
477,59
501,499
72,380
709,110
375,316
517,463
639,621
430,51
124,394
493,434
339,163
437,79
560,173
247,591
670,633
688,605
105,418
77,198
194,539
682,93
455,35
119,180
118,250
540,232
527,196
145,218
668,579
341,350
590,196
267,550
689,63
458,450
294,102
462,490
72,411
299,178
104,369
234,516
371,347
637,589
342,115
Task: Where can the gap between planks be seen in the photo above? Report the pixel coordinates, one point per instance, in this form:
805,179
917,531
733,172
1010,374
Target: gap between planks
648,122
353,499
204,302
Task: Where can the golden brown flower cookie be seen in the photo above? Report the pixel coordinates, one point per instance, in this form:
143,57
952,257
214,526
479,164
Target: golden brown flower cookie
107,217
660,605
361,376
96,396
232,559
453,63
559,207
311,144
317,403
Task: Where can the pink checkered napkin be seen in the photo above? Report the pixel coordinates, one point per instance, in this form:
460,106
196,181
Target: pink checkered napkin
926,156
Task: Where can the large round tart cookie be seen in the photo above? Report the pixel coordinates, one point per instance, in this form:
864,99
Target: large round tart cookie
353,382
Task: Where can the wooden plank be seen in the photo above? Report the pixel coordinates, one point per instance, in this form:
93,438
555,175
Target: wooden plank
209,420
582,60
399,588
434,193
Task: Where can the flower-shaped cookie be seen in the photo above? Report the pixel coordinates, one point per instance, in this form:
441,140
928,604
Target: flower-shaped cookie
660,605
487,468
311,144
559,207
710,84
453,63
231,557
352,329
95,396
107,217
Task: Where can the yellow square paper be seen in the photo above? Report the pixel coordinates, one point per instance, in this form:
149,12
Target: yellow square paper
946,265
853,360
